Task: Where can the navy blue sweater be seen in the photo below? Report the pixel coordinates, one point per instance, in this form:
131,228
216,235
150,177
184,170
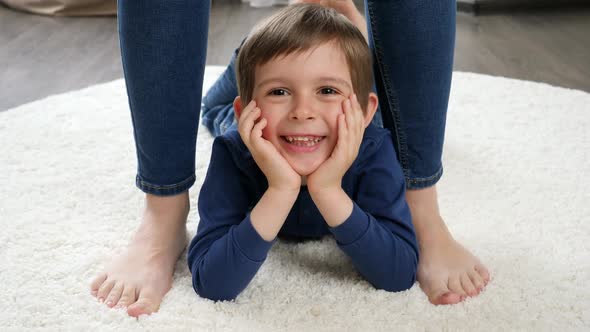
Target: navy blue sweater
378,236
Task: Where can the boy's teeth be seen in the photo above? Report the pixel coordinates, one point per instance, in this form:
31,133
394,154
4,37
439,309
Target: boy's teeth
303,140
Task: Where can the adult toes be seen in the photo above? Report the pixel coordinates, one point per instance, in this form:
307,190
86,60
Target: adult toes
447,298
438,293
97,282
114,295
105,289
146,304
128,296
455,286
468,286
476,279
483,272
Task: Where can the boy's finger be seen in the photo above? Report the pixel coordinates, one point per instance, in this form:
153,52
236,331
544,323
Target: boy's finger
357,127
358,110
347,108
244,111
250,113
341,128
257,129
246,123
247,113
243,115
354,104
356,116
256,138
248,119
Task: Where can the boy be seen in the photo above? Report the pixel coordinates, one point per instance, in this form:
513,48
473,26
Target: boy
305,160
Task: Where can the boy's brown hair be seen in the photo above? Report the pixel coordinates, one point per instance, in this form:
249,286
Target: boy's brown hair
299,28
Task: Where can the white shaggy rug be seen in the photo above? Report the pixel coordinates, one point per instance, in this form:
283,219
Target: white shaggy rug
515,191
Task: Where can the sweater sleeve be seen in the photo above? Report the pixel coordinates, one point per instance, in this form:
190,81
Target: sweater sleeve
227,251
378,235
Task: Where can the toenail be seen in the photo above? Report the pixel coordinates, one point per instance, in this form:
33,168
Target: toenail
101,300
109,302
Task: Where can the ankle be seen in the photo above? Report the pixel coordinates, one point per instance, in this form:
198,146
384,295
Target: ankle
164,216
168,205
426,216
423,202
430,231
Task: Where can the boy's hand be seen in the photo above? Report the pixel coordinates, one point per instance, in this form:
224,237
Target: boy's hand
351,127
279,174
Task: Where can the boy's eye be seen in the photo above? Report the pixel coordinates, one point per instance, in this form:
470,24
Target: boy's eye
328,91
278,92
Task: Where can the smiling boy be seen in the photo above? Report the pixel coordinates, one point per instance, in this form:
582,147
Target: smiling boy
305,160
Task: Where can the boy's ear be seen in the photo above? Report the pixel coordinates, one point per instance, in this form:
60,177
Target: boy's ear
237,107
372,104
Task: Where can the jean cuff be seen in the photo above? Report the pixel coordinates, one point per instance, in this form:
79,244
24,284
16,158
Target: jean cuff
164,190
420,183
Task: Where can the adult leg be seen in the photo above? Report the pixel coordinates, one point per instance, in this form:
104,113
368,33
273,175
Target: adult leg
163,47
413,45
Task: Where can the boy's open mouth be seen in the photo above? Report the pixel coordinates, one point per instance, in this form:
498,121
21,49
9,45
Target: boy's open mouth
303,140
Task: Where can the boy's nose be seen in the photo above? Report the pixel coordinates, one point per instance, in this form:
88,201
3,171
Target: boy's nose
302,111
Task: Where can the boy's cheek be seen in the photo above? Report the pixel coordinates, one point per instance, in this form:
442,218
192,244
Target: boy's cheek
269,130
267,133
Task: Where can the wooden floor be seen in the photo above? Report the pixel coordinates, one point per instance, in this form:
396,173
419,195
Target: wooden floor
41,56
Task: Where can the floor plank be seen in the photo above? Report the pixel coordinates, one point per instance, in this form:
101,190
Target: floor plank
41,56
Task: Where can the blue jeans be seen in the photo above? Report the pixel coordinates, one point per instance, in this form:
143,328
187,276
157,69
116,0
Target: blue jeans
163,46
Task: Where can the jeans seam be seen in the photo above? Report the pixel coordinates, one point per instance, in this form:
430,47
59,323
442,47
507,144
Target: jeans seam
418,183
426,179
166,186
391,99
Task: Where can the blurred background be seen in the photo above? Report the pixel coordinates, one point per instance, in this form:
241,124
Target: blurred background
54,46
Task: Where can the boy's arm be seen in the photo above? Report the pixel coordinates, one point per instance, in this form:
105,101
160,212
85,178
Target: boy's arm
228,249
270,213
377,232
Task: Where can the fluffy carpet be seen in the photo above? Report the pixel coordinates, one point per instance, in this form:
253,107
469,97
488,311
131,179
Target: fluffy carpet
515,191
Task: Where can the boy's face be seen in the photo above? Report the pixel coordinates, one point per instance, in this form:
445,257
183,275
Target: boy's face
301,96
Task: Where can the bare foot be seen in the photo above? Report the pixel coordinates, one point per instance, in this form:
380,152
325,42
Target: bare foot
139,278
447,272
